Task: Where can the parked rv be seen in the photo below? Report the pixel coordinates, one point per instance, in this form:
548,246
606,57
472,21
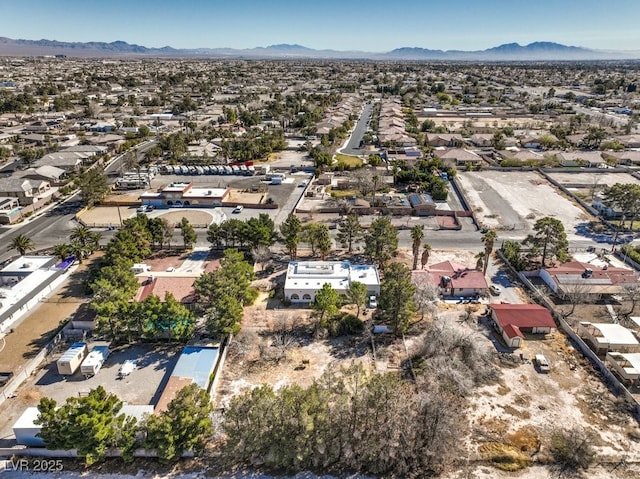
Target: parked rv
94,360
70,361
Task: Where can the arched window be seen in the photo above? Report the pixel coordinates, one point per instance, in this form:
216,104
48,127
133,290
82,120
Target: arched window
169,203
186,203
294,297
306,297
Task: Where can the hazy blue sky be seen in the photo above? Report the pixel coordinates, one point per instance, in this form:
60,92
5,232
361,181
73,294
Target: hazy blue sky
368,25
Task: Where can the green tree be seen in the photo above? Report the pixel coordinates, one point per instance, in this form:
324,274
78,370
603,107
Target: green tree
91,424
185,425
357,294
327,302
417,233
261,231
189,235
225,291
62,251
22,244
349,231
317,236
290,230
550,238
489,239
396,304
93,184
381,241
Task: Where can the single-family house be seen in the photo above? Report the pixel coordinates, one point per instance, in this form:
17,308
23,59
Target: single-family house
459,157
513,321
305,278
28,191
453,279
590,159
587,279
605,337
422,204
445,139
482,139
626,157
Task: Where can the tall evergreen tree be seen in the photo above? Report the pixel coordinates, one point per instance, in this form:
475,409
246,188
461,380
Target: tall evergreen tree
381,241
349,231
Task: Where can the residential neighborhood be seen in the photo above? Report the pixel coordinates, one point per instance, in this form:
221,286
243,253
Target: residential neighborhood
284,248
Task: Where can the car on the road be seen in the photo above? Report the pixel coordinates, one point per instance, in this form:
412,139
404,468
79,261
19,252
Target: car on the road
303,183
142,209
238,209
495,290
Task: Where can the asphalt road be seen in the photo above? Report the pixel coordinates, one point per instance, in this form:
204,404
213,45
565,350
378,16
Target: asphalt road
353,145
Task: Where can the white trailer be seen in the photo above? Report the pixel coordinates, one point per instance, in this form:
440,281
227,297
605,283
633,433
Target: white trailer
94,360
72,358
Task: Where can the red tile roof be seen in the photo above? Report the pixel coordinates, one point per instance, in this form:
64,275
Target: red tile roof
462,277
180,287
513,317
614,275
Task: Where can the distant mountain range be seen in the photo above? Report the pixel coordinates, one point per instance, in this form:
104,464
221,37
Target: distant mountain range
537,51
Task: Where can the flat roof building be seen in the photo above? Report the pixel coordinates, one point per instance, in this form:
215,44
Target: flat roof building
305,278
185,194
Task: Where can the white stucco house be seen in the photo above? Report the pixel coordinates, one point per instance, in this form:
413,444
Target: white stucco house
304,278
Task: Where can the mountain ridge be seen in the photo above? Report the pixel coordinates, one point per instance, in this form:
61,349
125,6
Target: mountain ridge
538,51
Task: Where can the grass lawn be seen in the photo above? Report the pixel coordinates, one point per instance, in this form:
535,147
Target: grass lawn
348,160
342,193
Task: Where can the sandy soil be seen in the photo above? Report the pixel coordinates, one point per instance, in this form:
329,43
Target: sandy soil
105,215
514,201
599,179
195,217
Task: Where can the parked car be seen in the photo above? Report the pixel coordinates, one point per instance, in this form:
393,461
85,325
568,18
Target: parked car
372,303
541,363
238,209
495,290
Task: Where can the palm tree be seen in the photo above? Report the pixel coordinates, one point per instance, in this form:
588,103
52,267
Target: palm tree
481,262
425,254
489,239
22,244
78,249
417,233
62,250
81,234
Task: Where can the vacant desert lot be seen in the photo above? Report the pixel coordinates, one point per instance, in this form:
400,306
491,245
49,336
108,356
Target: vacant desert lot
599,178
513,201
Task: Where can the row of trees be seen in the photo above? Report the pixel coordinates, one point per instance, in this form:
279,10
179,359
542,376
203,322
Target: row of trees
349,420
94,425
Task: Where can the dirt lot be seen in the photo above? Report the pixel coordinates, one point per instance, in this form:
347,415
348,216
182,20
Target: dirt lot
277,347
196,217
106,215
600,178
513,201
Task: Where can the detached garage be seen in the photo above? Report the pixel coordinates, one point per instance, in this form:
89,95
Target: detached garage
513,321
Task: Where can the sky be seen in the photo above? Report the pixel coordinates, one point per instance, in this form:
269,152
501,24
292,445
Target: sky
363,25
